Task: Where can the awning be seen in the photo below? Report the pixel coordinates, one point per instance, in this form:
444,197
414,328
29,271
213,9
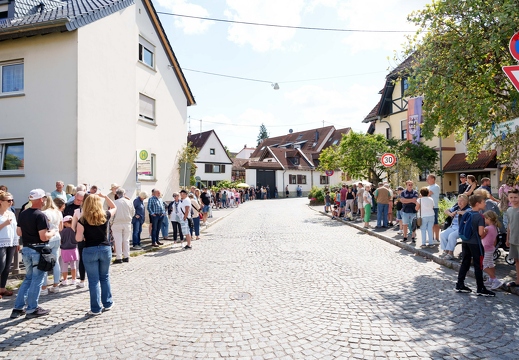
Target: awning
485,160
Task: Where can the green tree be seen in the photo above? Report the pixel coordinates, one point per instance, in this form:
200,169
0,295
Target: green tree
457,55
188,155
263,134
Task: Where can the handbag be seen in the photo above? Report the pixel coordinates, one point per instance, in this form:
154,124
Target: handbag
447,223
47,259
419,218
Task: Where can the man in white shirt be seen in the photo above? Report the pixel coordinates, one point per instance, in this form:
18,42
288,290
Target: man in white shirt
434,192
121,227
185,218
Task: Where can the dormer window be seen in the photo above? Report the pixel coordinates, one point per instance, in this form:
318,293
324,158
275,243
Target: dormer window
211,151
299,137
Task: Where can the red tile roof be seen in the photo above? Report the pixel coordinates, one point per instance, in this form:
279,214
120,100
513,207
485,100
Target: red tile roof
262,165
486,159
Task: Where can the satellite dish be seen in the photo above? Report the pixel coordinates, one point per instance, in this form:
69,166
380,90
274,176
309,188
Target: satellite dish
290,131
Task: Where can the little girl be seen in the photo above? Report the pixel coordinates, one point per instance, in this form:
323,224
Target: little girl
69,253
489,243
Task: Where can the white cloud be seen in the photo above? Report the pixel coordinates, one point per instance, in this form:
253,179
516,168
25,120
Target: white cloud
263,38
189,26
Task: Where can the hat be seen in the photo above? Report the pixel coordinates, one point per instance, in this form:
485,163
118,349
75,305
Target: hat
114,185
36,194
463,175
400,188
67,218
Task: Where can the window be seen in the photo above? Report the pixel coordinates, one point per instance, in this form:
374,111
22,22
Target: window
151,176
146,108
324,180
211,151
12,157
214,169
301,179
292,179
146,53
11,77
294,160
403,129
405,86
299,137
423,175
388,133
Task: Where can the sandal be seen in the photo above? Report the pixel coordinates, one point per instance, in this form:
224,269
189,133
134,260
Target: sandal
512,284
6,293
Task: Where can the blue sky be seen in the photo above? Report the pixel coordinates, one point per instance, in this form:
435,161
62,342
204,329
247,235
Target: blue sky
357,63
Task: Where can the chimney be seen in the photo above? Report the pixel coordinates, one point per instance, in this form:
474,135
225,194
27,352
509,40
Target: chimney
245,146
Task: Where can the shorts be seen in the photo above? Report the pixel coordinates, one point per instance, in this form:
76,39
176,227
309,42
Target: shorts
514,252
407,218
488,260
184,225
436,216
361,204
343,203
327,204
69,255
205,209
399,214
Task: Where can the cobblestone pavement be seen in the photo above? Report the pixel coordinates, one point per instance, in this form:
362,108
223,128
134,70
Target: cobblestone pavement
273,280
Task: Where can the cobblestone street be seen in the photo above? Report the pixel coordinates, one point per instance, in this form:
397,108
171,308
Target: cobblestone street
273,280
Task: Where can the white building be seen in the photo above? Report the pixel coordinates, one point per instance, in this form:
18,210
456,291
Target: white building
213,162
84,85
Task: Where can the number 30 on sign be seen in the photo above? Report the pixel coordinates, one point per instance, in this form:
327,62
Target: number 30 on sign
388,159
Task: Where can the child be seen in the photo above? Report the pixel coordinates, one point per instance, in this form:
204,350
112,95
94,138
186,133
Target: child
398,207
69,253
328,201
489,244
512,238
335,212
472,249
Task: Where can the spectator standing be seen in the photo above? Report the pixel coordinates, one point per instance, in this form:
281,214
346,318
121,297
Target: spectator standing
195,215
512,239
138,220
13,210
121,226
55,222
472,185
367,206
59,192
287,192
76,204
32,227
157,212
434,193
350,200
382,196
69,254
164,227
343,193
8,240
185,219
111,194
408,197
70,190
206,202
463,186
488,241
92,228
175,217
425,206
360,199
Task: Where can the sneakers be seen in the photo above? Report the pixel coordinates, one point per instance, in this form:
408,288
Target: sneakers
448,257
80,284
404,239
126,259
137,247
496,284
91,313
435,242
44,292
37,313
17,313
109,308
54,289
485,292
117,261
187,247
399,232
413,240
462,289
64,283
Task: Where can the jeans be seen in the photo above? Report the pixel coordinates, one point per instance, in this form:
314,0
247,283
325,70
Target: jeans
54,244
177,229
6,258
29,291
382,214
196,226
471,252
137,230
97,261
164,227
426,228
448,238
407,219
121,240
156,224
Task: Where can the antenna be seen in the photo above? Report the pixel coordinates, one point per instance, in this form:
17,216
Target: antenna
290,131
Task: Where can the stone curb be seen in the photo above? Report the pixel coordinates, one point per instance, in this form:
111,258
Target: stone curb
447,263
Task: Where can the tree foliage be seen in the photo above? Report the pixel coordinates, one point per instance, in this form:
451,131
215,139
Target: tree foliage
457,55
188,155
263,134
359,156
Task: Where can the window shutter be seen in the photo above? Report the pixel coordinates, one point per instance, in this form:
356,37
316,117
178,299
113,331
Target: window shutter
208,168
222,168
146,107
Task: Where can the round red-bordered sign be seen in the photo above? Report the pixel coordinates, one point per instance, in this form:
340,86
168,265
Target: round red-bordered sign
329,172
514,46
388,159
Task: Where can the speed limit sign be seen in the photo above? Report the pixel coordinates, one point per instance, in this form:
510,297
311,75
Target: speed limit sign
388,159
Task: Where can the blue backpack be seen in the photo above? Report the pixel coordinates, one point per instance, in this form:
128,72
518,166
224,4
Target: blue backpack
465,227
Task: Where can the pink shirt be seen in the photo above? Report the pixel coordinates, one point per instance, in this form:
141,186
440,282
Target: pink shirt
488,241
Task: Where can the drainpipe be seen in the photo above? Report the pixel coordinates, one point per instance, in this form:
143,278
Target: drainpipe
379,118
441,165
284,171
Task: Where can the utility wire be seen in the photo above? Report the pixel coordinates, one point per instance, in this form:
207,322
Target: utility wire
227,76
285,26
222,123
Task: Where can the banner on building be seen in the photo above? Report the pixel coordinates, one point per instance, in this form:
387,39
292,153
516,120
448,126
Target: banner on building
143,162
414,119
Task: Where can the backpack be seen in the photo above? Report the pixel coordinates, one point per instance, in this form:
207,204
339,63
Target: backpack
465,226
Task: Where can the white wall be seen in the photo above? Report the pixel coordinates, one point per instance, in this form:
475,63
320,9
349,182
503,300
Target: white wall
46,116
245,153
250,177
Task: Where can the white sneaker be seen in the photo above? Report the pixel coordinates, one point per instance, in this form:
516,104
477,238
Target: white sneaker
64,283
80,284
448,257
399,232
496,284
44,292
488,282
54,289
435,242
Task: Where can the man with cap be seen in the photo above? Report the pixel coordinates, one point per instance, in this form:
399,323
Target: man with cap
463,186
32,228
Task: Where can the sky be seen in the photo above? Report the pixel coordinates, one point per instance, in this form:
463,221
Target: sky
325,76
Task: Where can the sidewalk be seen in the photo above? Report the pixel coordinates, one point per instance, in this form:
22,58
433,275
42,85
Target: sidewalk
504,271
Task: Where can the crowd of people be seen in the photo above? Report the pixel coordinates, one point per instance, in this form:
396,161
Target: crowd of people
490,218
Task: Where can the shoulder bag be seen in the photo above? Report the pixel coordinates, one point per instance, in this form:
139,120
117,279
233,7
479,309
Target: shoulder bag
419,218
47,259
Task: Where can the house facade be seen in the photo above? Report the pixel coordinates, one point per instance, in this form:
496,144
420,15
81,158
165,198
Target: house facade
213,163
83,90
292,159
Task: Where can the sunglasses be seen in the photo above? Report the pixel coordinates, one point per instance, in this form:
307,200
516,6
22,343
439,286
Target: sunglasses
9,201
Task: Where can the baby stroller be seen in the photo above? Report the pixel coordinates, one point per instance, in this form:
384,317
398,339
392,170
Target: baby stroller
501,245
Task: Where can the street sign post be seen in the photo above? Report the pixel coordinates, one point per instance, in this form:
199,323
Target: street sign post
388,159
513,71
329,172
